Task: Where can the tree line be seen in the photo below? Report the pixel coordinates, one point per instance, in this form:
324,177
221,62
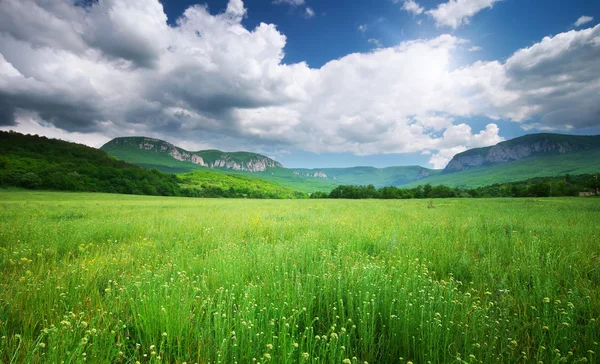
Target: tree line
536,187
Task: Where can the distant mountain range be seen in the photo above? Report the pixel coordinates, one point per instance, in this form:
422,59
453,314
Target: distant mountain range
529,156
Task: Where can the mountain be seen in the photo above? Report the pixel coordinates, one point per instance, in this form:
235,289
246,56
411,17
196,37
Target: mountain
529,156
526,157
521,148
35,162
379,177
155,153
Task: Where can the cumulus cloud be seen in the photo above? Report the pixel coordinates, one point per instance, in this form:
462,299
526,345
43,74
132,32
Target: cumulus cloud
455,13
289,2
362,28
208,80
583,20
412,7
375,42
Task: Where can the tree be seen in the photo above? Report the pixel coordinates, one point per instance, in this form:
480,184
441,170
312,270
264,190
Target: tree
30,180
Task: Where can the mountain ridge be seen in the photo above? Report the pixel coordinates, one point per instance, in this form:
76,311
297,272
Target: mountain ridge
132,149
520,148
528,156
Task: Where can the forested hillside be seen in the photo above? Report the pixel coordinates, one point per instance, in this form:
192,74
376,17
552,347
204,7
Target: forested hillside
36,162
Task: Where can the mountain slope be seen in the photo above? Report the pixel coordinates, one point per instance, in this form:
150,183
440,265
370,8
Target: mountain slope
35,162
520,148
155,153
379,177
537,164
212,183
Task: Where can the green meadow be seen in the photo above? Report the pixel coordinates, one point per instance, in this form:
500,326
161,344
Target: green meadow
123,279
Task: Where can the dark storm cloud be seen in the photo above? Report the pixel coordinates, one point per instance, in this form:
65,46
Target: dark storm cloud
62,112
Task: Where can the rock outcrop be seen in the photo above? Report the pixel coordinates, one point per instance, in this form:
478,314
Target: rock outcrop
517,149
248,163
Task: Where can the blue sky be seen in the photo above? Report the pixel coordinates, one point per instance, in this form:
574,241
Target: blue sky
333,32
318,84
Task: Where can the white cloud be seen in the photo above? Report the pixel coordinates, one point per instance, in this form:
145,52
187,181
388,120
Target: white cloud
440,160
210,81
309,13
375,42
583,20
412,7
458,138
455,13
475,49
362,28
289,2
434,122
540,127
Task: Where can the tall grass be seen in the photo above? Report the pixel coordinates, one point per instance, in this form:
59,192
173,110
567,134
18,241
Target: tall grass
106,278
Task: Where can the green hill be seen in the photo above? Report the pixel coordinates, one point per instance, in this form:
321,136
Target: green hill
379,177
540,165
523,147
34,162
155,153
210,183
529,156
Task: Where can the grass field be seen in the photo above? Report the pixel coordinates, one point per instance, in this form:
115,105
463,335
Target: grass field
113,278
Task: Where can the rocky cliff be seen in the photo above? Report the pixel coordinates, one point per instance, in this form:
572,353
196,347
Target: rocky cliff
129,148
520,148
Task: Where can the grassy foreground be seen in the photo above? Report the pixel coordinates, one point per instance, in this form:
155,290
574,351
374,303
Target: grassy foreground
112,278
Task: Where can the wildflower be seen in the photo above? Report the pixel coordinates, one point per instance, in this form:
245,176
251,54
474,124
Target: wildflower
42,345
164,334
295,345
267,356
546,299
270,346
305,356
347,361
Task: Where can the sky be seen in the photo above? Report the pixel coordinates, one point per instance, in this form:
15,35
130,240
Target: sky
312,84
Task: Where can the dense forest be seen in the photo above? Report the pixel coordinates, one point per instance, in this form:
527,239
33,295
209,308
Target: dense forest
537,187
36,162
